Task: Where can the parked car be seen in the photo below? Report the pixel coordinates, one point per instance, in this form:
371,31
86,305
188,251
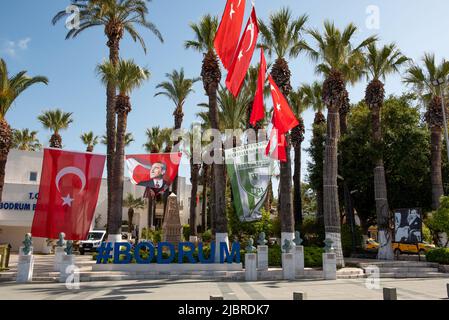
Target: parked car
93,241
420,248
399,248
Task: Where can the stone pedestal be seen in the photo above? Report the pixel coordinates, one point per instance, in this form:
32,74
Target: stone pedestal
171,227
288,266
330,266
299,260
262,258
25,267
67,260
59,254
250,267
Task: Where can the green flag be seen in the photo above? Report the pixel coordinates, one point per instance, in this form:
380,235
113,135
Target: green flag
250,172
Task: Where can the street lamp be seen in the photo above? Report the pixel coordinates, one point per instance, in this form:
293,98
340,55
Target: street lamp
441,83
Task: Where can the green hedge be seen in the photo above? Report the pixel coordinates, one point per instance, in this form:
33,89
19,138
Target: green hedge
440,255
312,256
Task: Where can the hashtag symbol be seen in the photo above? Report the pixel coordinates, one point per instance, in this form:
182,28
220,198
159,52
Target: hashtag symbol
104,252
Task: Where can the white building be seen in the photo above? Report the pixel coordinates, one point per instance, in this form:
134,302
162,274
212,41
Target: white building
23,173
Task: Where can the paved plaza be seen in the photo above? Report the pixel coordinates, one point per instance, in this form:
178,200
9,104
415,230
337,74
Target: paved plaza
348,289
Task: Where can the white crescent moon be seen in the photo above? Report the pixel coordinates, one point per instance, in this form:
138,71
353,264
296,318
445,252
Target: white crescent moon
71,170
239,3
251,27
274,90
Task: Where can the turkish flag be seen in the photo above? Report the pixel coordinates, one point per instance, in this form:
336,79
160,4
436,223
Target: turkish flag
276,146
243,55
283,117
258,110
68,194
228,33
156,172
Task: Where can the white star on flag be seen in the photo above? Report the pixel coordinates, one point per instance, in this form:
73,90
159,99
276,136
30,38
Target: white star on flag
67,200
278,106
232,10
240,55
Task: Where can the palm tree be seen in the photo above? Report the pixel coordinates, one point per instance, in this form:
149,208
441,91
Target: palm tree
422,79
297,137
312,98
25,140
129,138
132,204
380,63
155,140
282,37
204,33
115,17
10,89
177,89
339,62
126,76
90,140
55,120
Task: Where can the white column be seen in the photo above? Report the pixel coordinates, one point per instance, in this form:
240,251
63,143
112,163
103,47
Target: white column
220,237
330,266
25,266
299,260
288,266
59,254
64,271
250,267
262,258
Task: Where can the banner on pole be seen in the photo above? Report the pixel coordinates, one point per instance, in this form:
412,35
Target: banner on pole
250,172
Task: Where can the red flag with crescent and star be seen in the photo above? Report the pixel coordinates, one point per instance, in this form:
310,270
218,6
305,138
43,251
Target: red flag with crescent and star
258,110
283,117
243,55
228,33
68,193
283,121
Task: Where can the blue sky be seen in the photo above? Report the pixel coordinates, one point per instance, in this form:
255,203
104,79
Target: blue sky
28,41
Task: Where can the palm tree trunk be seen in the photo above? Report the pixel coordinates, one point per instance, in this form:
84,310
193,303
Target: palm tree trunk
178,116
319,207
436,176
194,171
385,236
285,197
113,45
56,141
117,198
5,145
212,200
204,200
330,189
297,201
130,219
150,212
334,94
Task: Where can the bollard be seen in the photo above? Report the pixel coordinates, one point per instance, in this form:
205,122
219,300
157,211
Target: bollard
447,287
390,294
299,295
216,298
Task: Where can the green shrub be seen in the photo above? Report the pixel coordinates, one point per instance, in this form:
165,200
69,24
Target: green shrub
312,256
186,232
207,236
440,255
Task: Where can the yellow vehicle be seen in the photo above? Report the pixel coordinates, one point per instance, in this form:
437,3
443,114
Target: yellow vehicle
371,245
399,248
420,248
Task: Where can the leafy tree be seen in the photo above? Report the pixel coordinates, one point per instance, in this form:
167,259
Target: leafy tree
126,77
11,87
26,140
90,140
55,120
405,151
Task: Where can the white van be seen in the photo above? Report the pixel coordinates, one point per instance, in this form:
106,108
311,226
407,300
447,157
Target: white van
93,241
